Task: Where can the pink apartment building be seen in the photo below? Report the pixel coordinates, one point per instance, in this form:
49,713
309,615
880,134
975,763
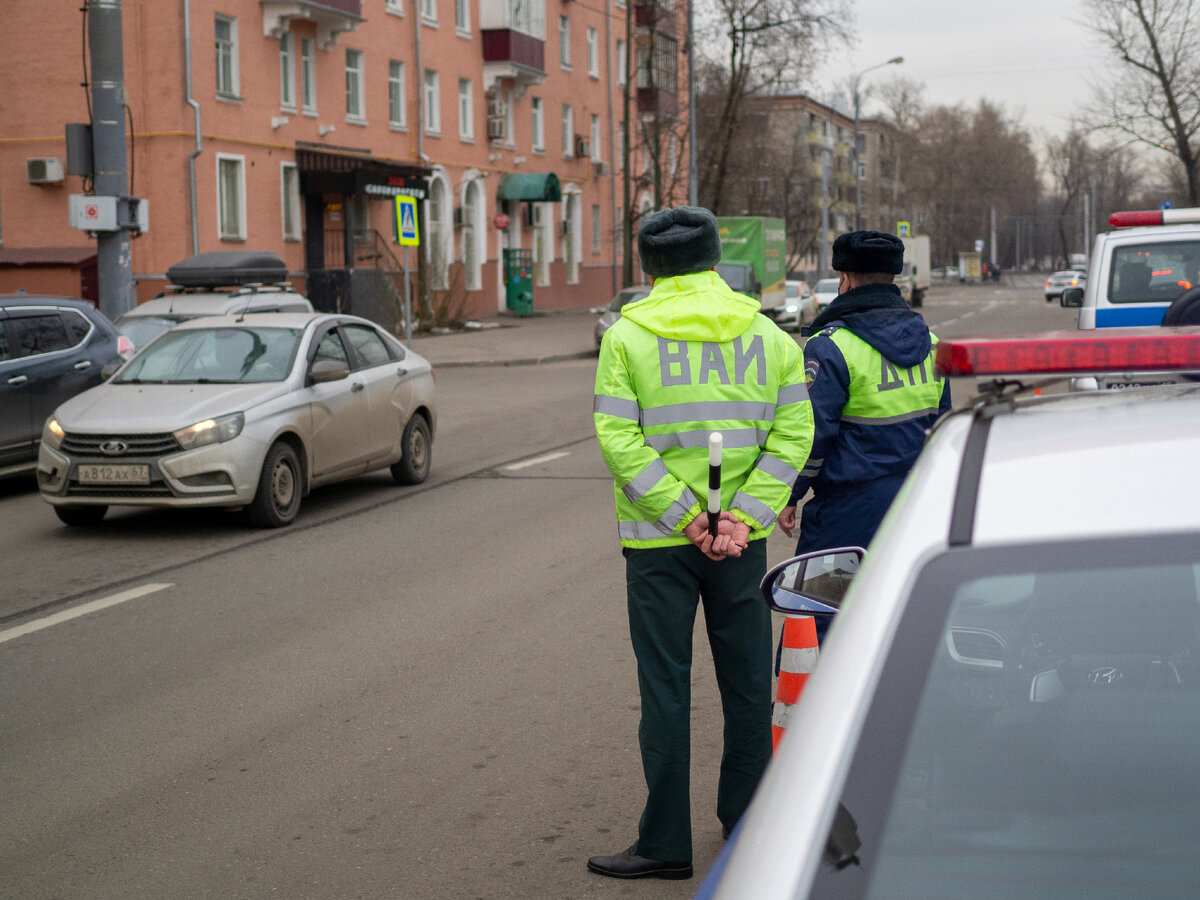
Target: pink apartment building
291,125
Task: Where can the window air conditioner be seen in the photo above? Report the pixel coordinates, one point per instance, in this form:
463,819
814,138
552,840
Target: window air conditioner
495,106
43,170
495,128
600,168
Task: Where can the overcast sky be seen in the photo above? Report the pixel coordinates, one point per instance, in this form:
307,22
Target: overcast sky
1031,56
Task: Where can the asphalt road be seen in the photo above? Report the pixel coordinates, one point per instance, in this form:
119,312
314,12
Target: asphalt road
413,692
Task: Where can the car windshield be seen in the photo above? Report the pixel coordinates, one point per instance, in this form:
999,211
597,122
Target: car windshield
827,285
624,298
232,355
1054,719
1153,272
143,329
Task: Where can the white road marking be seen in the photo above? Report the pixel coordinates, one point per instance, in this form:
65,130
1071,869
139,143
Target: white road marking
82,610
526,463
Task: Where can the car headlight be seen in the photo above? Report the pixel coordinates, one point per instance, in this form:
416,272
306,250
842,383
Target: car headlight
211,431
53,434
791,307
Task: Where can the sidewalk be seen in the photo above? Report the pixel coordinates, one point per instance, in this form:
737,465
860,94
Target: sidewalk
508,340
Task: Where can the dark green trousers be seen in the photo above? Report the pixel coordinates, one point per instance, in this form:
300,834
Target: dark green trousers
664,585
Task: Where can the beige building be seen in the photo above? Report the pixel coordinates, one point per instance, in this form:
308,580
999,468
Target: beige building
292,125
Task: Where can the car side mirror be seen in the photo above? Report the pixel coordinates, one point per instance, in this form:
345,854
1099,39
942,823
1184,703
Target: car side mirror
1071,297
812,584
324,370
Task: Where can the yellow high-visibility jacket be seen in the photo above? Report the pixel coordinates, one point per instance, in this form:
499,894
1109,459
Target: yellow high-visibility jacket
692,358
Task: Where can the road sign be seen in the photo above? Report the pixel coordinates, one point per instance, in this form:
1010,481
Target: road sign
1166,204
979,245
406,222
902,229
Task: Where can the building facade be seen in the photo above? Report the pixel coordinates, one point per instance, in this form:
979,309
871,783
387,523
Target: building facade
293,125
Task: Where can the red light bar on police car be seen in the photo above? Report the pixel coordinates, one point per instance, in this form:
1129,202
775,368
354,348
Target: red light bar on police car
1071,353
1154,217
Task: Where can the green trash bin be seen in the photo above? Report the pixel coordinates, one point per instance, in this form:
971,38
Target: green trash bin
518,281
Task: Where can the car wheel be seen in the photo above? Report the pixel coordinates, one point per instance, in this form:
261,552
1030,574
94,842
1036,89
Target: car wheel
277,500
1185,310
413,467
80,516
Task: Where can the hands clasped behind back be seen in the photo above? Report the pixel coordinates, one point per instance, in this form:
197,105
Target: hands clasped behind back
733,535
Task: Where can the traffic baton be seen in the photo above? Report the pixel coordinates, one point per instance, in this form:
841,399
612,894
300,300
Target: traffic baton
714,481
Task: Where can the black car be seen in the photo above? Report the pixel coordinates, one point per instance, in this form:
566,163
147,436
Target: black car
51,348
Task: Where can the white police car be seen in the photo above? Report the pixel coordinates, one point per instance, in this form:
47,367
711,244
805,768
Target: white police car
1008,702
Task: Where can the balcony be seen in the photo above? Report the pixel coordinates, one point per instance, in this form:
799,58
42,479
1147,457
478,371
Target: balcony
657,101
654,16
512,54
331,17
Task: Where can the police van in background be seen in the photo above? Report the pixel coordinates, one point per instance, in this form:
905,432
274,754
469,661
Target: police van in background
1144,274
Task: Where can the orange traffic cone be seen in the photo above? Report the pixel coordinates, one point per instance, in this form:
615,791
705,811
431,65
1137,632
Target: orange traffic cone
796,663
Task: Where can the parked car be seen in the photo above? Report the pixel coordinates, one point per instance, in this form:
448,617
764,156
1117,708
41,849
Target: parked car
242,411
51,348
798,309
217,283
826,291
623,297
1007,703
1060,281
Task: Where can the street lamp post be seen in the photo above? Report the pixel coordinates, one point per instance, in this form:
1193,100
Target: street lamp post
895,60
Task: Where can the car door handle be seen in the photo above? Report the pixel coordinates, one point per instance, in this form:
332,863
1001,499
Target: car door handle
401,372
357,386
18,379
84,364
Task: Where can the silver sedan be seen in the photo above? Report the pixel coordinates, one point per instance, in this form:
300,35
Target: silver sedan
242,412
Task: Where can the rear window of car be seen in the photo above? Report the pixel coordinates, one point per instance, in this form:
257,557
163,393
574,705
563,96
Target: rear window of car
1036,722
1154,272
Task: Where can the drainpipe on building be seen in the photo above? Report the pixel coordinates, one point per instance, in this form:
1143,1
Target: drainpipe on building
612,133
191,101
423,296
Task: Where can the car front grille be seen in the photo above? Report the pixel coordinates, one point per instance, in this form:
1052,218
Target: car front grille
141,446
158,489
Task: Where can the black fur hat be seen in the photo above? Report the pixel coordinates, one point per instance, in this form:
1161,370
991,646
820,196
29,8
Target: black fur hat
868,251
679,241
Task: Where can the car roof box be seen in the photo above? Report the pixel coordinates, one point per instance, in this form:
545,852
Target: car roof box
228,268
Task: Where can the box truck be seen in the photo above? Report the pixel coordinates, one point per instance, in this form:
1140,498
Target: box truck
916,266
754,258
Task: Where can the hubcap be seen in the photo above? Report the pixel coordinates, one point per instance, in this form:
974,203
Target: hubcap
283,485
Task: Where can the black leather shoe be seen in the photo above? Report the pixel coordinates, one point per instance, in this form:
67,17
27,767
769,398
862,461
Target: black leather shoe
628,864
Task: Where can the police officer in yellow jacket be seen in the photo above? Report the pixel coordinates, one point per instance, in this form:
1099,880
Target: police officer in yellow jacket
874,394
692,358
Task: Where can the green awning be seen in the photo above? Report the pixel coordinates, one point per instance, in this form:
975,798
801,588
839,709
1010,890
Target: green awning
538,187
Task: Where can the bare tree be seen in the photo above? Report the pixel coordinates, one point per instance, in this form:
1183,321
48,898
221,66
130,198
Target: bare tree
1154,97
752,48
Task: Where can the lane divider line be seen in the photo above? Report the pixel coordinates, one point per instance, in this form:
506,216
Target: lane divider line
82,610
526,463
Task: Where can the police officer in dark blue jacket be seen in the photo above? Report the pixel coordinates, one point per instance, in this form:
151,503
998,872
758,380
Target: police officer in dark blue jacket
874,393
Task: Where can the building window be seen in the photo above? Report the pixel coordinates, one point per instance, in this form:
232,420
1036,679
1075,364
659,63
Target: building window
594,138
308,75
289,190
528,17
287,71
227,56
622,62
473,235
429,11
543,241
462,16
539,124
354,84
572,238
231,197
619,231
510,120
568,130
433,114
395,6
397,105
597,233
564,42
466,110
437,232
593,55
659,71
621,143
672,155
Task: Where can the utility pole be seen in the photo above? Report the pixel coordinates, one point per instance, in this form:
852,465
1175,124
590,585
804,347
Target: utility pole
111,179
823,261
691,50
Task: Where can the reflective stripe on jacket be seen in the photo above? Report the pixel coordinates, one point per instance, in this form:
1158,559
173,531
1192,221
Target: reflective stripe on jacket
692,358
871,414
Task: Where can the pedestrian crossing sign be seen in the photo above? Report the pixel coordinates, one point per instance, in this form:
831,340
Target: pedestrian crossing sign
406,221
902,229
